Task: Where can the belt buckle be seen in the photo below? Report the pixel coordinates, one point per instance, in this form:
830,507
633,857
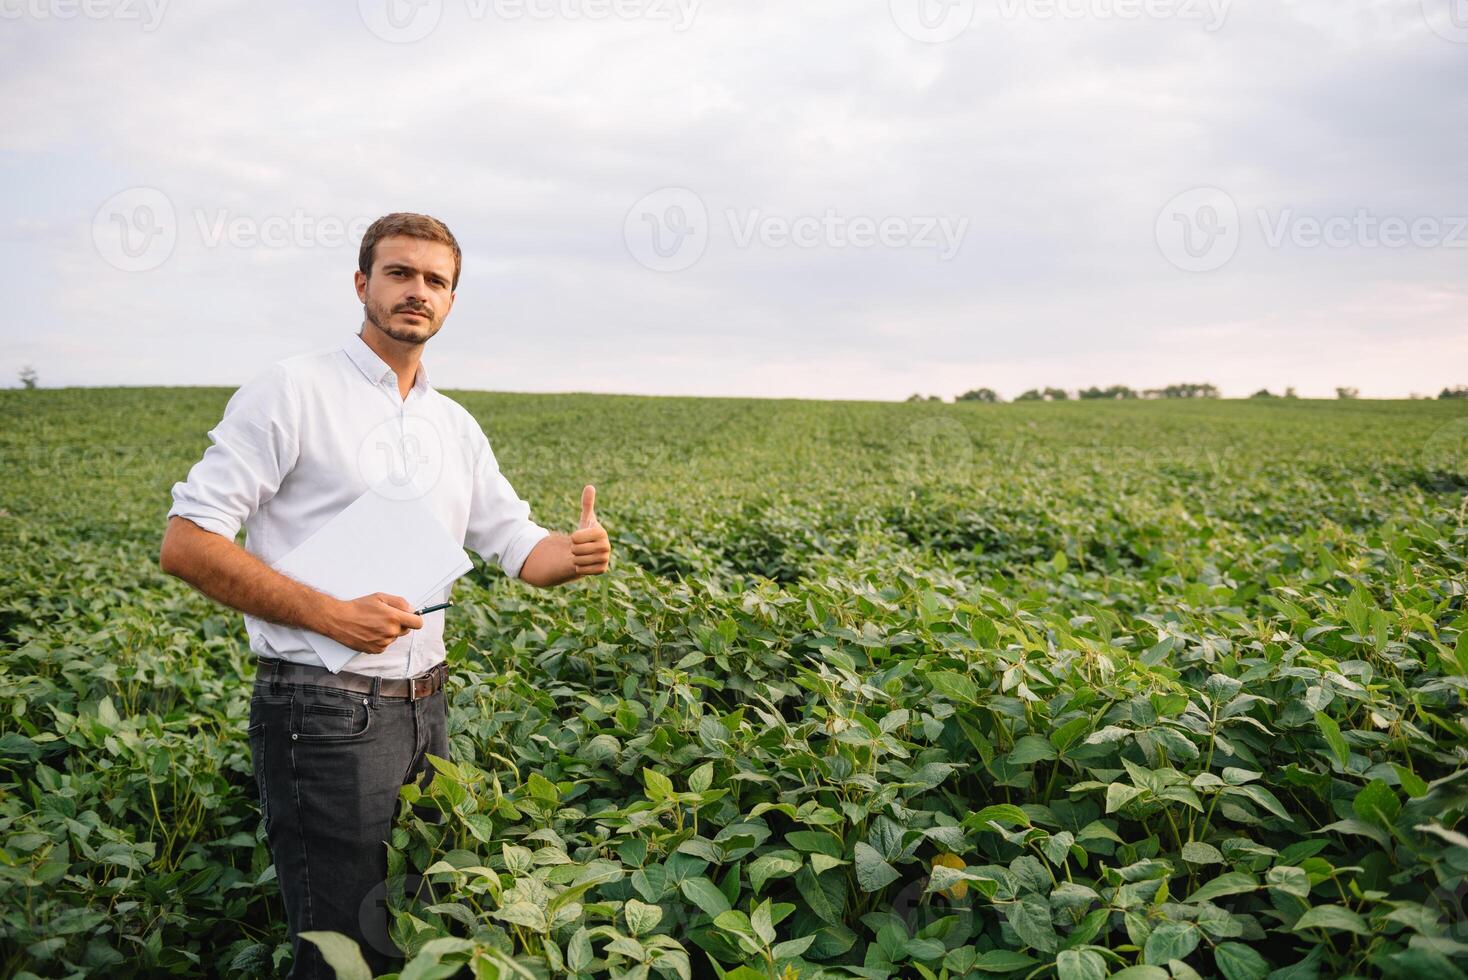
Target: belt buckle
427,677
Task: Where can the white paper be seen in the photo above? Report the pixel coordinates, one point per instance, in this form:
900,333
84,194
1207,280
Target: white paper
387,540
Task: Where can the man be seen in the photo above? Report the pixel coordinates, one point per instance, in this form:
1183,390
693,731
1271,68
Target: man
296,445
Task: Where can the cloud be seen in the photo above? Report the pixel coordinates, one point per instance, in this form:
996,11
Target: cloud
1056,140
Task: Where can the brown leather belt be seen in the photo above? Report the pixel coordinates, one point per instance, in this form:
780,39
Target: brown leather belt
412,688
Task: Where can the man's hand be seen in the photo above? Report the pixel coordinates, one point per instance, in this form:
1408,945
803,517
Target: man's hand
370,624
591,551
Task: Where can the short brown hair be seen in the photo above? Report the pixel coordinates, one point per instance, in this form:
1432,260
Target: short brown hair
411,225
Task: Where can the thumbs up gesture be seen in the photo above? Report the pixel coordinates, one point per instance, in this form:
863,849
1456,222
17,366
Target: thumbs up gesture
591,551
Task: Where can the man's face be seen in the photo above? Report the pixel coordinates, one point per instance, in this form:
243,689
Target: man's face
408,295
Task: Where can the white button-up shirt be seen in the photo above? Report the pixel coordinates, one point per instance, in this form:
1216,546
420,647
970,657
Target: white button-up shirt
309,435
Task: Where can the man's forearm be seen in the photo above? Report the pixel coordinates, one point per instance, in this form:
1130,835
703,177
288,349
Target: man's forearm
549,562
227,573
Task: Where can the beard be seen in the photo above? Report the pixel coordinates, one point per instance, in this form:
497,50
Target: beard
381,317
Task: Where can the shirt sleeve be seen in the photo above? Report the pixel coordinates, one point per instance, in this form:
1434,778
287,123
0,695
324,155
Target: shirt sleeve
500,528
252,449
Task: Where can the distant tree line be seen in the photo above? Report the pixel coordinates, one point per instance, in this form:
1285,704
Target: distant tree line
1112,393
1122,392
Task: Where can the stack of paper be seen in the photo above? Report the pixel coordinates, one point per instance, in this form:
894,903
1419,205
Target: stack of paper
381,542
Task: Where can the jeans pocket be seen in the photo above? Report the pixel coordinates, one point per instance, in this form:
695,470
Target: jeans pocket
330,717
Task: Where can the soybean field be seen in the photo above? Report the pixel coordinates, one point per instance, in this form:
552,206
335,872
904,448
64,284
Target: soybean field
1142,689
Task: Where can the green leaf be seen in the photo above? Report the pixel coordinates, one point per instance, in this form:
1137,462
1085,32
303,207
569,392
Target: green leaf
1332,917
1171,941
1031,749
954,686
1002,813
578,951
1197,852
791,948
1003,961
1412,784
706,895
1460,653
1080,964
1119,795
763,923
1239,962
1261,796
1377,804
746,973
641,917
523,914
872,872
1064,736
776,864
1030,919
1290,880
659,787
816,897
341,953
1231,883
702,778
824,862
925,949
734,921
1333,737
1057,848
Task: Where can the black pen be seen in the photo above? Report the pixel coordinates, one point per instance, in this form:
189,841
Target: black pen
429,609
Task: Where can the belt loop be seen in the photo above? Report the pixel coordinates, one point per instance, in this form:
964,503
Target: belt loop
376,687
275,676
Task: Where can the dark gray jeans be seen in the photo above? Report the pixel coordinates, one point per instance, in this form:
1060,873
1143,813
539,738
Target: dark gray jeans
328,766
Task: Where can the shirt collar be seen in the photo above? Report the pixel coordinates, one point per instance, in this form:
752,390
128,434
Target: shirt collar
374,368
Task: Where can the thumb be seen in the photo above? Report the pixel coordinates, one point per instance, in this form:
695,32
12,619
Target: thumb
588,500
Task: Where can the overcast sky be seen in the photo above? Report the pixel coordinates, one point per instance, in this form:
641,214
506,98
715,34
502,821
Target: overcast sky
843,199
